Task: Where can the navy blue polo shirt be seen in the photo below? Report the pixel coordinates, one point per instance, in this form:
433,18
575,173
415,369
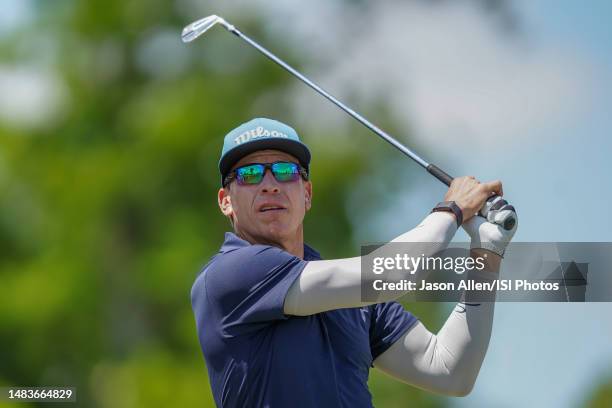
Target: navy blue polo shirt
259,357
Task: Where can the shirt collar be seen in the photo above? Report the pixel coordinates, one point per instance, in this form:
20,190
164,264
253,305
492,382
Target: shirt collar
233,242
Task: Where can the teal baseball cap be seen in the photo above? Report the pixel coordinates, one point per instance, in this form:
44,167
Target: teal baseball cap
261,134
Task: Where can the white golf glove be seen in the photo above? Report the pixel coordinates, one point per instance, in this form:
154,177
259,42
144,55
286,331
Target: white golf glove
496,210
485,234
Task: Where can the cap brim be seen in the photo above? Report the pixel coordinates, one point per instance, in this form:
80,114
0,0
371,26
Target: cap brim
293,147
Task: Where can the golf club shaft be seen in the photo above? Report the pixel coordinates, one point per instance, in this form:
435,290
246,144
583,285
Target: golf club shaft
434,170
508,223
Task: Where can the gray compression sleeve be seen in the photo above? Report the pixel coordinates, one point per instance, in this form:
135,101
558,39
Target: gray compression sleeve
336,284
447,363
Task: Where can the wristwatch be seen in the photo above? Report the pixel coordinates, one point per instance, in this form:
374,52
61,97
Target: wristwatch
450,206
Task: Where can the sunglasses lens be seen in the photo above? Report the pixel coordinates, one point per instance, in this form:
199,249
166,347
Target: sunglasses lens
285,171
252,174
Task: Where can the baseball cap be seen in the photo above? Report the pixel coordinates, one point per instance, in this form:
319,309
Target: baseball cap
260,134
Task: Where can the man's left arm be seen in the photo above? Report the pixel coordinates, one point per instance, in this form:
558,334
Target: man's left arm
449,362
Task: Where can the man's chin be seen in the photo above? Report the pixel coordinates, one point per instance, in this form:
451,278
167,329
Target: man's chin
276,232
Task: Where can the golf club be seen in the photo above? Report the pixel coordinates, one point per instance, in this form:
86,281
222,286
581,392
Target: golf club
199,27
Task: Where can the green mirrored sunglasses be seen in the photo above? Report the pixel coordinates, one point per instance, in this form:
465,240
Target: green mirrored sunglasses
253,173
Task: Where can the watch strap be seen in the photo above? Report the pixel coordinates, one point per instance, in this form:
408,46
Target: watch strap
450,206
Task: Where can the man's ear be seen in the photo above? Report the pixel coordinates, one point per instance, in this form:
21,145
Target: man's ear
225,202
308,194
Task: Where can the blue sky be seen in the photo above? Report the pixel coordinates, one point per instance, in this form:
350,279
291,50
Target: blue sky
552,355
578,164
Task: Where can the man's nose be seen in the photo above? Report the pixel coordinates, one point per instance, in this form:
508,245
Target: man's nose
269,184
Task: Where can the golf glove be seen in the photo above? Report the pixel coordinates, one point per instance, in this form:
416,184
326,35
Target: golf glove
496,209
488,235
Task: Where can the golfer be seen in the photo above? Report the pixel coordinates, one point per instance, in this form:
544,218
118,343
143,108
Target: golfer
279,327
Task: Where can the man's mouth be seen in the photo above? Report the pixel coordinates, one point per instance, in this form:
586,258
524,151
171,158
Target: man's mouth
268,208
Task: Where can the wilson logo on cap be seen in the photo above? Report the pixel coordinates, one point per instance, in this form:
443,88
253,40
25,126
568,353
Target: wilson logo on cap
258,132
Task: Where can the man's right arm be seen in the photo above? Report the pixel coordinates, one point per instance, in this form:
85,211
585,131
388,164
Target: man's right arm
336,284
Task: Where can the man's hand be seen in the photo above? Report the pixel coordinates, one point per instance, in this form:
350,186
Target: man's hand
471,195
496,210
487,235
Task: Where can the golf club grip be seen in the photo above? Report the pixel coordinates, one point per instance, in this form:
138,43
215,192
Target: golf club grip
439,174
507,223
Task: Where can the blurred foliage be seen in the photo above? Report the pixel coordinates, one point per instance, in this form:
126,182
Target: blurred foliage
601,397
108,212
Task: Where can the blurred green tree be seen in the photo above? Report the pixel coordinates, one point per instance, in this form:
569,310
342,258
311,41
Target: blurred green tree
601,397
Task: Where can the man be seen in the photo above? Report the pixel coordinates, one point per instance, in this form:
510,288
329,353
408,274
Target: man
279,327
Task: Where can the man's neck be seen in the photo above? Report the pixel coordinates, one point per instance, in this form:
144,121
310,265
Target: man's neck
294,245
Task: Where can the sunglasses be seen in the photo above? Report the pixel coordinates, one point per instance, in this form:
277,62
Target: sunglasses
254,173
